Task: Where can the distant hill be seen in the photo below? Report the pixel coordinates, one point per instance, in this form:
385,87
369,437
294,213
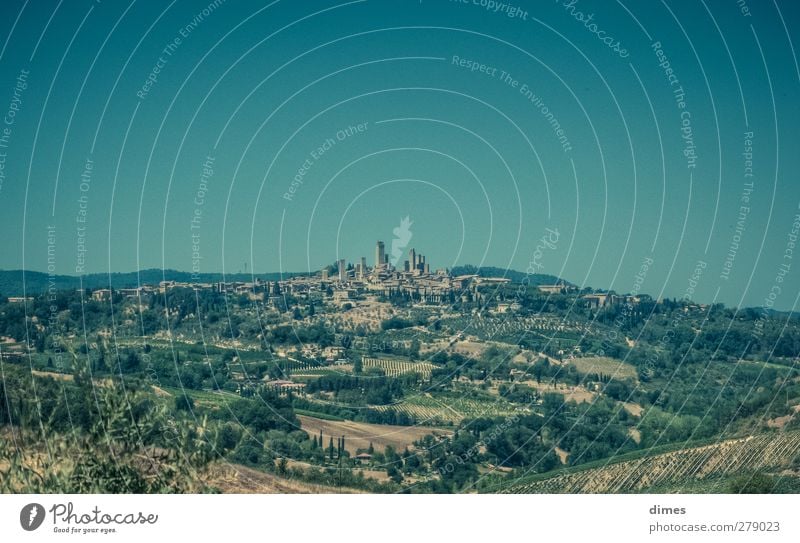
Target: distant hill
37,282
514,275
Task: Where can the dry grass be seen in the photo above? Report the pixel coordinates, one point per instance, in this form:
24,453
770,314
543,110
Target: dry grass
578,394
780,422
68,378
605,366
633,408
380,476
160,392
358,435
471,349
54,375
237,479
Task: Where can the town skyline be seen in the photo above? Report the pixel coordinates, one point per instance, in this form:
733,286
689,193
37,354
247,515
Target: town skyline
214,178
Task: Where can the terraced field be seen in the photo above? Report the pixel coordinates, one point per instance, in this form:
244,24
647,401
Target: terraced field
685,466
360,435
395,367
208,398
427,409
297,366
316,371
605,366
500,326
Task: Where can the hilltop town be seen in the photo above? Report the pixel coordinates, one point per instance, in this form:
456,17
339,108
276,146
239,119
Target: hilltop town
376,374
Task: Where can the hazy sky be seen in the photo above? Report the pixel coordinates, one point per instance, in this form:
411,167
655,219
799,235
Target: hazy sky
286,135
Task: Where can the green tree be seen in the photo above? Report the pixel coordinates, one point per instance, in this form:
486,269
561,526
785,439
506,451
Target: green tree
131,363
152,452
184,402
228,437
5,416
757,483
394,474
282,466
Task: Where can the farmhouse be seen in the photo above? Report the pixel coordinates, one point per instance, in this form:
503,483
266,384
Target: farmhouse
284,386
101,295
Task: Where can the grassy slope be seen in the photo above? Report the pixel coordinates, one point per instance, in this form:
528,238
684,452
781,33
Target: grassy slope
711,460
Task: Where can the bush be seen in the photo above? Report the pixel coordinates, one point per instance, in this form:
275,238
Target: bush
757,483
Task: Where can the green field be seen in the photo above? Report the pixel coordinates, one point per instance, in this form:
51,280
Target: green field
602,365
210,398
395,367
450,409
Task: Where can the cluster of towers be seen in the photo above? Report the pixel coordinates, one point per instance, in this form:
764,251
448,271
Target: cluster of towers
415,264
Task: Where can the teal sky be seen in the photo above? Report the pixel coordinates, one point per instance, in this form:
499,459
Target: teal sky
473,160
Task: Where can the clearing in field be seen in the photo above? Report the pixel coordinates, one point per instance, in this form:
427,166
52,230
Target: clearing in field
429,409
55,375
208,398
602,365
237,479
470,349
379,475
358,435
578,394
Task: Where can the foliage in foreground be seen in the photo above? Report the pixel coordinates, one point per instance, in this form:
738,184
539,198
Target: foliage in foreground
128,444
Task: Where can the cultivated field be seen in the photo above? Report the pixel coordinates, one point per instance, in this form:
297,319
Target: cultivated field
395,368
685,466
317,371
427,409
237,479
602,365
358,435
207,398
578,394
